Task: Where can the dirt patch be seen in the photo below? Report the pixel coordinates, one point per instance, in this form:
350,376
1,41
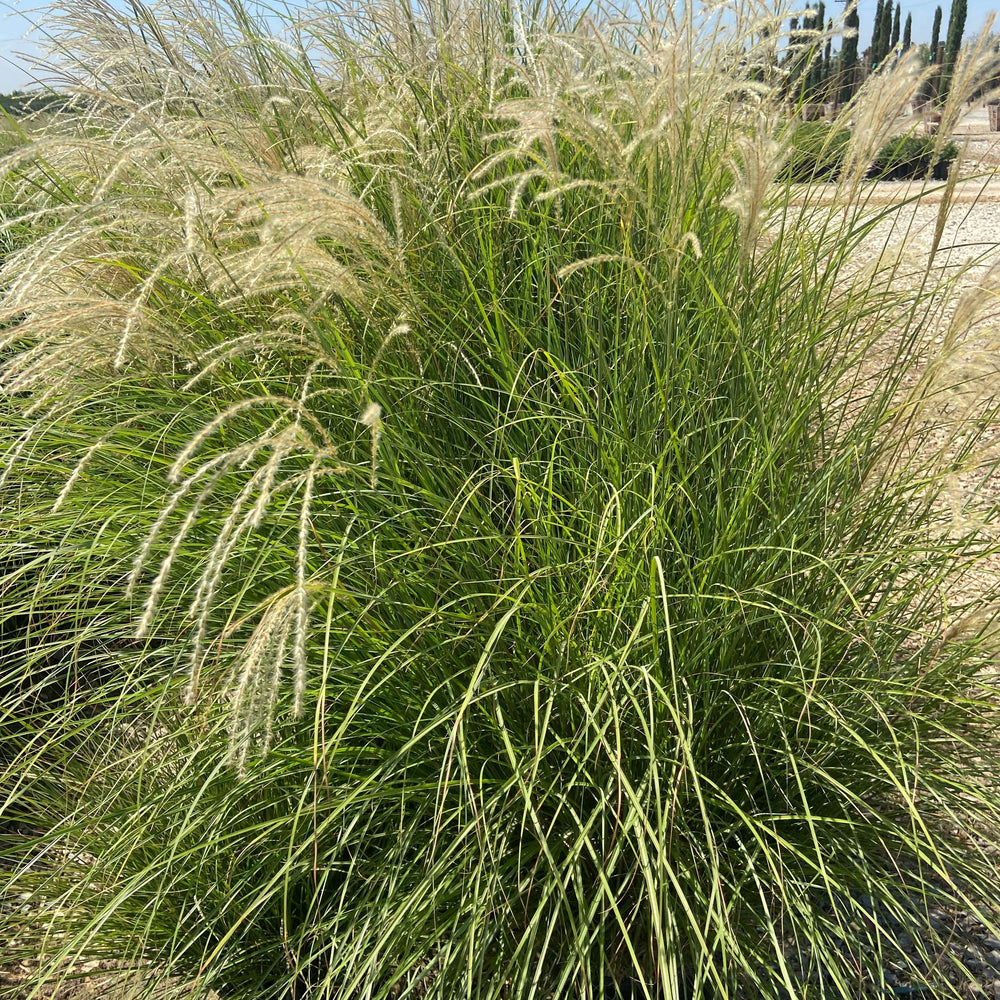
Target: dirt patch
87,981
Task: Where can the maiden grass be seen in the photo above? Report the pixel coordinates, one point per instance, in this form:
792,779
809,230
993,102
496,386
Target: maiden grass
467,528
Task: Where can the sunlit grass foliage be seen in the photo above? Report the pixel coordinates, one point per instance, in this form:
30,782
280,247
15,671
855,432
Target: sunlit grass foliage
469,528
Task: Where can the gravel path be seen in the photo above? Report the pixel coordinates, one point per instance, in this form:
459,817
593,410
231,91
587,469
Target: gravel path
967,952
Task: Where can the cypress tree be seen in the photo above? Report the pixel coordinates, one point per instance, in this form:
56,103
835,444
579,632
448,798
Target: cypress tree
928,88
956,29
881,34
908,32
876,33
816,71
894,40
762,71
827,63
885,31
849,56
935,34
796,56
793,34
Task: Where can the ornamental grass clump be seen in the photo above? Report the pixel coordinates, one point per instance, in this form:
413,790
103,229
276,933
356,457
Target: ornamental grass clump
470,528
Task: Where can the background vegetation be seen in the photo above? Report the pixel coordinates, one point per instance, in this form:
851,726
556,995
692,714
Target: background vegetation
818,151
468,525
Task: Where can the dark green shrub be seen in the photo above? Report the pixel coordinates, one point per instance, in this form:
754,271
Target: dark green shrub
818,150
910,157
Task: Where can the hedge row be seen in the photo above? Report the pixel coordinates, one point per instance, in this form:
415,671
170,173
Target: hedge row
818,150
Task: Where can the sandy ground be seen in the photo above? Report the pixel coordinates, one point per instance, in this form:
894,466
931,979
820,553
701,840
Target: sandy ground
968,248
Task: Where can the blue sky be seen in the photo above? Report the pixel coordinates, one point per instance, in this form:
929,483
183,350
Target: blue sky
15,22
15,27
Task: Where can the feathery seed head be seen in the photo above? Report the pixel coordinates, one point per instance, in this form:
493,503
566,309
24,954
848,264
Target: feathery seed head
755,164
371,417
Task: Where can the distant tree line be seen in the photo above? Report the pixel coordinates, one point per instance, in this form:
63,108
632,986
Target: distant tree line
20,103
816,74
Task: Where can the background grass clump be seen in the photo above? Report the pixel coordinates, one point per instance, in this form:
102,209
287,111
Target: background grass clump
467,531
818,151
